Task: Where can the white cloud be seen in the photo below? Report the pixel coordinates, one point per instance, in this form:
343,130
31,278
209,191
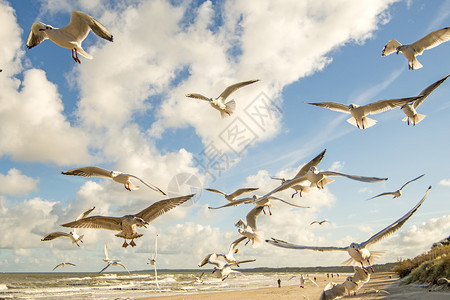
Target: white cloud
445,182
16,184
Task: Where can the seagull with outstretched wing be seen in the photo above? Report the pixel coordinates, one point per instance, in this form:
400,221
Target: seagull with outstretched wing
117,176
63,265
359,254
70,36
429,41
226,109
398,192
152,261
231,197
112,262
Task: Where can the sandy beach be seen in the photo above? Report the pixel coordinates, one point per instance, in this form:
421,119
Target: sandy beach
385,285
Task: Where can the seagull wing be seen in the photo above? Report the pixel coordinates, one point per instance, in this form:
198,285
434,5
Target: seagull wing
216,191
155,188
426,92
123,266
235,203
252,215
105,267
60,265
157,209
396,225
292,204
383,105
286,185
54,235
333,106
239,192
89,172
205,260
235,87
197,96
412,181
431,40
36,36
70,264
86,213
382,194
80,24
354,177
314,162
313,281
284,244
240,262
214,260
234,244
97,222
156,247
390,47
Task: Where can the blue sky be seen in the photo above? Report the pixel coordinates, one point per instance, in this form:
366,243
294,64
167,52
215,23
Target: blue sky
126,110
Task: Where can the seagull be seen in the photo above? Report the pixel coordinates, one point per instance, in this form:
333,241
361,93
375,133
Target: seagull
258,201
223,269
114,175
198,279
410,108
431,40
248,229
303,280
359,252
114,262
302,172
398,192
226,109
73,234
229,257
359,113
152,261
70,36
333,291
320,223
360,276
127,224
351,285
63,265
231,197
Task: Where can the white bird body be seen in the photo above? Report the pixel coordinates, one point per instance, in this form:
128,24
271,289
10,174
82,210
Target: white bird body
249,229
304,280
431,40
70,36
128,224
116,176
351,285
112,262
221,269
226,109
333,291
412,116
359,254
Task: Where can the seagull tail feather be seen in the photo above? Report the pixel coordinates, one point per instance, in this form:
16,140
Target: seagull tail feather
230,106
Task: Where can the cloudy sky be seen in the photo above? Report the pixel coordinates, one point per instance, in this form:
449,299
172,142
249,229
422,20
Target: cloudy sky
126,110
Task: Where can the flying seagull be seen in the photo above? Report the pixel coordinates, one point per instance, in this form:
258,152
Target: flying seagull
226,109
229,257
320,223
359,252
398,192
63,265
431,40
249,229
359,113
231,197
410,108
114,262
117,176
333,291
127,224
70,36
302,172
152,261
221,269
72,235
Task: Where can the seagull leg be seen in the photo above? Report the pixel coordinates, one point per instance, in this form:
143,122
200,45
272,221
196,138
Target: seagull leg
132,243
127,186
296,192
270,213
247,242
75,58
264,211
125,244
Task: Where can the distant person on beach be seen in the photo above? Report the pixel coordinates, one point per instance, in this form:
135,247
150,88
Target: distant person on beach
279,282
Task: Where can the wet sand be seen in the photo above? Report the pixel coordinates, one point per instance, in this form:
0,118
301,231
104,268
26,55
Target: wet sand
383,285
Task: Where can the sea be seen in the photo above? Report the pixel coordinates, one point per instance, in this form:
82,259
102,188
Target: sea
59,285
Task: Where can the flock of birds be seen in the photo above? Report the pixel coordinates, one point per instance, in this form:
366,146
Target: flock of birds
308,178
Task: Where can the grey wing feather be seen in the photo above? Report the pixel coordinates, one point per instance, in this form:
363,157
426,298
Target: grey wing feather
36,36
216,191
105,267
283,244
157,209
153,187
97,222
292,204
382,194
235,87
234,203
431,40
314,162
89,172
333,106
426,92
252,215
235,243
204,261
197,96
411,181
396,225
86,213
58,266
383,105
241,262
123,266
54,235
354,177
242,191
80,24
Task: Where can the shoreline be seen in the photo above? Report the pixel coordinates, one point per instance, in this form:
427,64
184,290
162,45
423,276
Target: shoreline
383,285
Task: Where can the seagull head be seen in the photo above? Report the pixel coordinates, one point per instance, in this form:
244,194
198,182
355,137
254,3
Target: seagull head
115,173
140,222
352,106
355,246
45,27
313,169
